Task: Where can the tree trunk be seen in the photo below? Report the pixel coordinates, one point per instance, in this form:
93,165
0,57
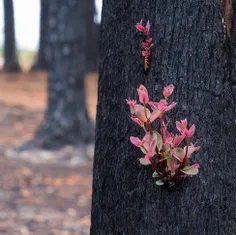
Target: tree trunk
232,42
66,118
11,61
189,51
92,38
41,62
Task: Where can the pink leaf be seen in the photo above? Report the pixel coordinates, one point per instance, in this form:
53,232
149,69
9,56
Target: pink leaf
167,91
177,140
136,141
143,94
178,153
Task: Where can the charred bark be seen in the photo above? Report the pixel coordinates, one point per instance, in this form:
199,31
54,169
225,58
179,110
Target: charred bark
190,52
232,42
11,63
66,119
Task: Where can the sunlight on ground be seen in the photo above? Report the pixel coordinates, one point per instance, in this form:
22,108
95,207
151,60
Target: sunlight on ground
29,90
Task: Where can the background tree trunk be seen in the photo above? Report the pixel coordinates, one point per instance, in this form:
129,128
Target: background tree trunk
92,38
41,61
190,52
66,118
11,61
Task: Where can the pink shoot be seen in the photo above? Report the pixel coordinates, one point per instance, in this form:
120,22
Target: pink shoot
167,91
182,127
143,94
137,121
146,53
136,141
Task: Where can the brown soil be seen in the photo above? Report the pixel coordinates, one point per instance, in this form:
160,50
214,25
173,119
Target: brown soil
44,198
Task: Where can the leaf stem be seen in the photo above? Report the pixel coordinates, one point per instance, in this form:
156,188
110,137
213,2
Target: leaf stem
186,154
155,169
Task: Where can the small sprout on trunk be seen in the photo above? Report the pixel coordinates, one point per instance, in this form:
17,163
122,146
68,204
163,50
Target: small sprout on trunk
164,151
146,44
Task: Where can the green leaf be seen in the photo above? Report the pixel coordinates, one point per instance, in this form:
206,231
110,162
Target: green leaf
144,162
154,174
158,138
190,171
143,150
167,148
186,168
178,153
159,182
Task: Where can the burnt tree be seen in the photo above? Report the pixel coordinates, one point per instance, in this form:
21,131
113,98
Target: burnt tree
66,119
92,38
41,60
191,51
10,56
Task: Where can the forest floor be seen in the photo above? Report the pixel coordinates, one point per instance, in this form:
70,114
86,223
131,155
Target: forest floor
41,192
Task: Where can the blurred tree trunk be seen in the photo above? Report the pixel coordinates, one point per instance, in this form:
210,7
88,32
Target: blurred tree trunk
41,61
10,56
190,52
92,38
66,119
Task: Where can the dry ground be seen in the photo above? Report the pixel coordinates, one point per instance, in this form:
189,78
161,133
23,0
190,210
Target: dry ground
38,198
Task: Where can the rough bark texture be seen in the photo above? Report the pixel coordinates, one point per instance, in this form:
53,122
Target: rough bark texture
190,51
232,42
66,119
41,62
10,57
92,38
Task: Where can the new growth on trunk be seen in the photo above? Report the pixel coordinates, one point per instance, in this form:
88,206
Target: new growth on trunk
162,149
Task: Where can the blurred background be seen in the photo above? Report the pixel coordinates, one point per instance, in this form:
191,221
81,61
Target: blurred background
49,53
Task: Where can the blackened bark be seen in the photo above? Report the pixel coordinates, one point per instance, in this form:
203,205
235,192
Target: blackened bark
41,62
92,38
232,42
189,52
10,57
66,118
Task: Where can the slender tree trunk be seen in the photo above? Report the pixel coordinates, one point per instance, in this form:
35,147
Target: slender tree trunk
189,51
66,119
11,61
41,61
92,38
